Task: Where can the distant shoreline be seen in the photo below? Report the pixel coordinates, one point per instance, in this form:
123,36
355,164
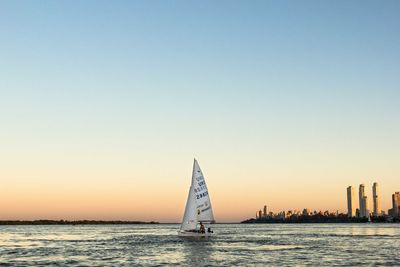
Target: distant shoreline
320,220
102,222
67,222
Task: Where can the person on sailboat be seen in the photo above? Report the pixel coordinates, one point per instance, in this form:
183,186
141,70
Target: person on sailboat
202,228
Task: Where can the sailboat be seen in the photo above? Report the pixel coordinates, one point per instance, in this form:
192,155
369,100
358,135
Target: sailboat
198,208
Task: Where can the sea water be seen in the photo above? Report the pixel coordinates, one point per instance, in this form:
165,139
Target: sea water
233,244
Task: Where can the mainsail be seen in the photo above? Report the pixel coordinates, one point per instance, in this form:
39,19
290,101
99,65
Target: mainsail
189,221
198,205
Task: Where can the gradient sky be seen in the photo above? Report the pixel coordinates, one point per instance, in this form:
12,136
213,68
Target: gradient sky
104,105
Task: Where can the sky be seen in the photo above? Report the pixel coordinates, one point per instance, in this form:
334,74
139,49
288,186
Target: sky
104,105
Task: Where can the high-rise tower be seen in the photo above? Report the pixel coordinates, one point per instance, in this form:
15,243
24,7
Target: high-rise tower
395,204
365,206
377,206
361,195
351,202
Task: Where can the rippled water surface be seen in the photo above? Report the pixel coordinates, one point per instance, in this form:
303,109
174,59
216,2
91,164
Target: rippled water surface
233,244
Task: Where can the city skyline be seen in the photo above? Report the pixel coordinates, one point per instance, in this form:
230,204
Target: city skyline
362,213
105,104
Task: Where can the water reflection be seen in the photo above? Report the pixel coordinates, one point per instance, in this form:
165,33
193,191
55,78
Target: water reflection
371,230
197,252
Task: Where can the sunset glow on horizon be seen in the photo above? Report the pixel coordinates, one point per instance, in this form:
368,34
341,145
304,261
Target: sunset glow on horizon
104,105
128,198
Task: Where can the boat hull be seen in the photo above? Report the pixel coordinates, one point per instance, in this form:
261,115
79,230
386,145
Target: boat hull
194,234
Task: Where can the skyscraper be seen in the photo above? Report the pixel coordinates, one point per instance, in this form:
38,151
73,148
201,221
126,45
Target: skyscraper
365,206
361,194
395,204
377,206
351,202
265,211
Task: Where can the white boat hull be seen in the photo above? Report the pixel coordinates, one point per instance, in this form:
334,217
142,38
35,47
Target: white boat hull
194,234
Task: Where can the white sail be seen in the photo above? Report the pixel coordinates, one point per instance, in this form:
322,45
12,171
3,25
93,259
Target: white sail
189,221
198,205
203,203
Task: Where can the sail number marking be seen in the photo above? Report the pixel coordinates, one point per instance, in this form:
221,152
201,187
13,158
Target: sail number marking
200,188
198,196
200,178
